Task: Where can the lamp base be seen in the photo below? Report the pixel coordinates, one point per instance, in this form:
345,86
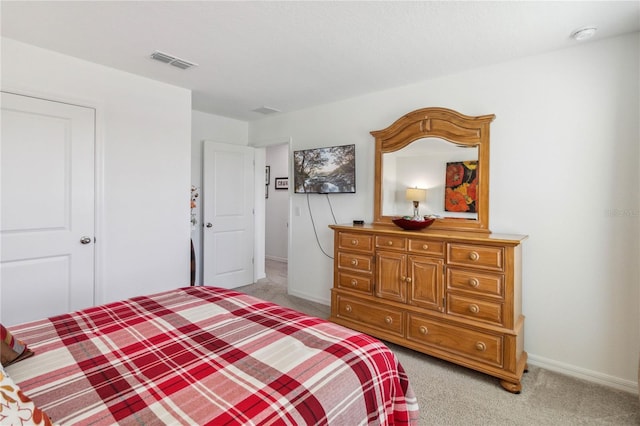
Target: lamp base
416,213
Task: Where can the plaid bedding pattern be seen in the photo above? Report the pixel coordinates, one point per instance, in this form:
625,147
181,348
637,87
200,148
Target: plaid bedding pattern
209,356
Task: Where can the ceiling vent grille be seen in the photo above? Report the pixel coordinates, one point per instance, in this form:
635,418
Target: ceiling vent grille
265,110
172,60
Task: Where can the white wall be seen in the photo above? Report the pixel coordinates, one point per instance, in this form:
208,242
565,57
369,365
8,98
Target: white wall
564,170
218,129
143,133
277,205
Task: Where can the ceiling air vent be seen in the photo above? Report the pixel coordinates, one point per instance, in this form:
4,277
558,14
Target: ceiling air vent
172,60
265,110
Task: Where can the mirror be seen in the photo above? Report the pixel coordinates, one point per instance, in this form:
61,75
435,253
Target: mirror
445,153
428,164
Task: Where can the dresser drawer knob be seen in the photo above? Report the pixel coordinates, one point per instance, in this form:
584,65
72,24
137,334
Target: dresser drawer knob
348,308
389,243
408,280
474,256
388,320
354,262
354,283
473,282
425,246
354,242
474,309
423,329
481,347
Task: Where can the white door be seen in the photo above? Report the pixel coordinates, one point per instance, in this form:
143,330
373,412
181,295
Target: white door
227,185
47,213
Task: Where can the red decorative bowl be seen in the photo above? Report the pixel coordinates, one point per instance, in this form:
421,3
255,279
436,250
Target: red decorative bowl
413,225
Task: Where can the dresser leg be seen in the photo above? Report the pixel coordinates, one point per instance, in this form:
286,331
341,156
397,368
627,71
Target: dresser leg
513,387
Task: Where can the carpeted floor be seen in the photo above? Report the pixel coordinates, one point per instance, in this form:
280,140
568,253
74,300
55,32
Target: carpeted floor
452,395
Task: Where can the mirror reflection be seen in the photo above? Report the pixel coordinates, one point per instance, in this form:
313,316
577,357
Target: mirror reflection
447,171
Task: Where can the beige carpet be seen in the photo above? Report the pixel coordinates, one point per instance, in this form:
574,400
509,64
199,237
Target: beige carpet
453,395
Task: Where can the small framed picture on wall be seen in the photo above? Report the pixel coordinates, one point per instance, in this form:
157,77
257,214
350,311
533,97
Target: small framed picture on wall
282,183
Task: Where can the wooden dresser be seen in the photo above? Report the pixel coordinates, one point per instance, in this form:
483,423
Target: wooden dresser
450,294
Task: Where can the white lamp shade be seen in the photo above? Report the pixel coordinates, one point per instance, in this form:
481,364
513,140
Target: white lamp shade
416,194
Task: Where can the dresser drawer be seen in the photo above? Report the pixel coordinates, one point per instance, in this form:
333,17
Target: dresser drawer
355,242
475,309
384,241
357,262
355,282
476,282
482,257
471,344
387,320
428,247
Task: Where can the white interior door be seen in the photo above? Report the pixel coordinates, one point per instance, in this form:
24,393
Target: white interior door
47,213
228,209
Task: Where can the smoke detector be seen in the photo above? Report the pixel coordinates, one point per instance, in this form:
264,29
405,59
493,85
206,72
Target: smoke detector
172,60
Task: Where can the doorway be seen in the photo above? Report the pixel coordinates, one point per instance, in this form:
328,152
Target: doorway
277,202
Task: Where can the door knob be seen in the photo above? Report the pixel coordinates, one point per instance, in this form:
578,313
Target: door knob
209,225
85,240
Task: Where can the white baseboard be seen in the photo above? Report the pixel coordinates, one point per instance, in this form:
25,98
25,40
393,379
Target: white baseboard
582,373
278,259
326,302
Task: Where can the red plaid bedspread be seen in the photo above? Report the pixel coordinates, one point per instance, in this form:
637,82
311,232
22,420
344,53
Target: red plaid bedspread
209,356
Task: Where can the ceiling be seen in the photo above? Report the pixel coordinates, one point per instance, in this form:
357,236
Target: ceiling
295,54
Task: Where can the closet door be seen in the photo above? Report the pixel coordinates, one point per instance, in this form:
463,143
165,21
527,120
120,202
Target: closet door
47,217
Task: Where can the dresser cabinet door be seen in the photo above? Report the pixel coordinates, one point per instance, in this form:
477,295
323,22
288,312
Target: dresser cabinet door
391,276
425,282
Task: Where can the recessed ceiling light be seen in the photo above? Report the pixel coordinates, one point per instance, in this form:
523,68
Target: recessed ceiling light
583,33
172,60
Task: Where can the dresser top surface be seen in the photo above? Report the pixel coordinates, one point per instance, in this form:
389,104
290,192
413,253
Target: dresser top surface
512,239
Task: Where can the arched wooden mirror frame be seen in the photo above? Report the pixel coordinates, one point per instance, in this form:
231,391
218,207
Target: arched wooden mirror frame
445,124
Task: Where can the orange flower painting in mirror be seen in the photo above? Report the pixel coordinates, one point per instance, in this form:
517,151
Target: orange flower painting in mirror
461,187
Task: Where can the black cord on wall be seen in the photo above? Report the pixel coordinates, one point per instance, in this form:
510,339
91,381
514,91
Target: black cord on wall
315,231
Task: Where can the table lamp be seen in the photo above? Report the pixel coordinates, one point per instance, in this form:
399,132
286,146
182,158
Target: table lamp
416,195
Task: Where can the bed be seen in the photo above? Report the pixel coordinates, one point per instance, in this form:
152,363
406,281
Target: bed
207,356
